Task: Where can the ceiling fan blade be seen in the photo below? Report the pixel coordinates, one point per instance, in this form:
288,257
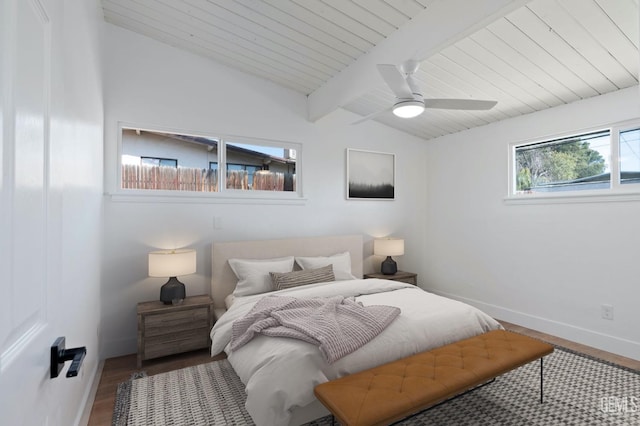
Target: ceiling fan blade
395,80
371,116
470,104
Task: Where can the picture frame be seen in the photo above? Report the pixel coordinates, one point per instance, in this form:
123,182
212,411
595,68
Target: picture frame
371,175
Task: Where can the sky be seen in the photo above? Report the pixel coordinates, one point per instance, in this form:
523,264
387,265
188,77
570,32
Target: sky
629,150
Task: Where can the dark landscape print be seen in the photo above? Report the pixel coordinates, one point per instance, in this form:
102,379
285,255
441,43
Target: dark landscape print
363,190
370,175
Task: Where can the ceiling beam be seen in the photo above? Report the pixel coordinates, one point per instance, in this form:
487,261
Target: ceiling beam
441,24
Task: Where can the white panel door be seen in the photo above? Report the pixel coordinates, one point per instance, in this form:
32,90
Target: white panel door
27,255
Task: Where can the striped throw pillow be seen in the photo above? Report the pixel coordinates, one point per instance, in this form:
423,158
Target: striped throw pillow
282,280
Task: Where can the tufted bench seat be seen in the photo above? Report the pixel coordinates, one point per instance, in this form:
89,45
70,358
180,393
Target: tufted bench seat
393,391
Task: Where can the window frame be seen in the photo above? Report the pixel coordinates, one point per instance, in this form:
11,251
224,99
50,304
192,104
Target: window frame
160,160
223,194
616,192
633,127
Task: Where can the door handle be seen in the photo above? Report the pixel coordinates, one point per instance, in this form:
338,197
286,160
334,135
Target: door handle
59,355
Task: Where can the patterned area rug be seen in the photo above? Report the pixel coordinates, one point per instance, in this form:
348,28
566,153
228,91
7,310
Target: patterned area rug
578,390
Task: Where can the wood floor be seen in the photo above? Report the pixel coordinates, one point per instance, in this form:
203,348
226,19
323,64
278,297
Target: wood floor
117,370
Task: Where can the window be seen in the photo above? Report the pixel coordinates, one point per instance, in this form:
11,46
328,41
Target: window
575,163
630,156
162,162
597,162
260,168
152,161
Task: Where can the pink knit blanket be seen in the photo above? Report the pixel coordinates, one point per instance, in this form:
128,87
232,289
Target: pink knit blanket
337,325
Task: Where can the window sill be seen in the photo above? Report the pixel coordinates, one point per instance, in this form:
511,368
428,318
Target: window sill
608,196
209,198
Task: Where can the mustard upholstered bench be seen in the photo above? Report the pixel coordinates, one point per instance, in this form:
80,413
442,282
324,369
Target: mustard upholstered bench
399,389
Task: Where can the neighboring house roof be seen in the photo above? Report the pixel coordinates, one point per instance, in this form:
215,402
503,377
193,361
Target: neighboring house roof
212,143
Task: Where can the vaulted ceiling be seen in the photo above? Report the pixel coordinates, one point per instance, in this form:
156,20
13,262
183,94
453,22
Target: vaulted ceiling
527,55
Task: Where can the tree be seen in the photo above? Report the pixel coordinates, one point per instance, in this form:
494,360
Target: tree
573,159
588,161
523,179
562,166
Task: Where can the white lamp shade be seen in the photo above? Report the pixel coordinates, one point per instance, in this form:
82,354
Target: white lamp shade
388,247
171,263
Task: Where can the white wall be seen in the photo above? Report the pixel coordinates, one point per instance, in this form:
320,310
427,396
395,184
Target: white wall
545,266
150,83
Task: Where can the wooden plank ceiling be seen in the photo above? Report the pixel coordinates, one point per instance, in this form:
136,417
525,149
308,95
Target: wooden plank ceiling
528,56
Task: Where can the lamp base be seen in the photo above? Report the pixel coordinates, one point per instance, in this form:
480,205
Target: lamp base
172,292
389,266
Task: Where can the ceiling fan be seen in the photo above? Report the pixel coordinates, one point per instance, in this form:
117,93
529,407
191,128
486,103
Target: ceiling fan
409,100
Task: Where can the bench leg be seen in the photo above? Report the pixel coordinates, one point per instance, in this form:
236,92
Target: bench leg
541,381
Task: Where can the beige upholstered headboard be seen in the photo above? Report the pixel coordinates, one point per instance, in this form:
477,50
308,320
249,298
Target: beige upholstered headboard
223,280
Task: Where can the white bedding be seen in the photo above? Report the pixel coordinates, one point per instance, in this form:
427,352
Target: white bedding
280,373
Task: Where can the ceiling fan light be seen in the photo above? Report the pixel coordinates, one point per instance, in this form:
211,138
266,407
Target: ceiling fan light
408,109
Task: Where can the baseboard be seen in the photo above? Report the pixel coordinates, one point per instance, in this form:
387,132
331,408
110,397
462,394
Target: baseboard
605,342
85,413
116,348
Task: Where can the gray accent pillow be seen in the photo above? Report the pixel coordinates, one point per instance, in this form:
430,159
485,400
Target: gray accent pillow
282,280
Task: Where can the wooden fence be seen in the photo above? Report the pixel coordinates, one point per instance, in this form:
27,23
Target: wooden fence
201,180
169,178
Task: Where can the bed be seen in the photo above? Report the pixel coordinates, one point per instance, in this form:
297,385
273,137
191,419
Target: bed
280,373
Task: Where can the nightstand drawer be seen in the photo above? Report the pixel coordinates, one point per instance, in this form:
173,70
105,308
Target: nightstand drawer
174,343
402,276
173,329
176,321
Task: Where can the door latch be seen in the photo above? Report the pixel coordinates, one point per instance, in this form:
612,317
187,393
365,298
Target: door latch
59,355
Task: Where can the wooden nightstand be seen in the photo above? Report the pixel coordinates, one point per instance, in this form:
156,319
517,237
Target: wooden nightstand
172,329
405,277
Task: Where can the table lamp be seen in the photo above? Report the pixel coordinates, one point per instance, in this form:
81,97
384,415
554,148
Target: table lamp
171,263
388,247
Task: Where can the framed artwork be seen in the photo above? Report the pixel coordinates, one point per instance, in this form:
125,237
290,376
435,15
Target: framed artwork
370,175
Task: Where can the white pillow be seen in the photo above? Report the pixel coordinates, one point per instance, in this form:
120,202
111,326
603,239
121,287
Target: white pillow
228,301
341,264
253,274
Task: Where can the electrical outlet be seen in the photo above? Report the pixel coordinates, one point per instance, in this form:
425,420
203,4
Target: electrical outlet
217,222
607,312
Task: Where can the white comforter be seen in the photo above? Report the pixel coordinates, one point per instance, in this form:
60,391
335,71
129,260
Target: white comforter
280,373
